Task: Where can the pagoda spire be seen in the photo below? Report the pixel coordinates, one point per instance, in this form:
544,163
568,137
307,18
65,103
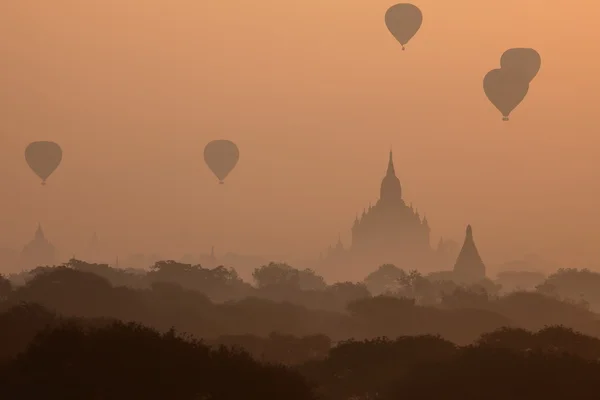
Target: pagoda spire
39,233
390,169
391,190
469,266
94,240
339,245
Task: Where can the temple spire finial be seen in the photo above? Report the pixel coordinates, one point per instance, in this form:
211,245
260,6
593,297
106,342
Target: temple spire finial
391,170
39,233
391,190
339,245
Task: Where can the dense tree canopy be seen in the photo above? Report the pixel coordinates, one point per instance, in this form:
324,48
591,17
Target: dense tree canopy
291,336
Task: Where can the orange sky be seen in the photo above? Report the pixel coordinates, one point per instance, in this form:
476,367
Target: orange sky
314,93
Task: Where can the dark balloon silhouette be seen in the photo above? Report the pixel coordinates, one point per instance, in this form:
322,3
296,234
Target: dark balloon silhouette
505,90
43,158
524,62
221,156
403,21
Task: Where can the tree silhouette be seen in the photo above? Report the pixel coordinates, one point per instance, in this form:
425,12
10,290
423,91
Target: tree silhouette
5,288
283,275
127,361
495,374
386,278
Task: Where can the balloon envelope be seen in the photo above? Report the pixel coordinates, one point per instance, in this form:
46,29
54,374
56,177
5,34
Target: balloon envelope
524,62
221,156
505,90
43,158
403,21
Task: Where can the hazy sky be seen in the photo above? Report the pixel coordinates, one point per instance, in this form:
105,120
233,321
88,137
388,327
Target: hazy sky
314,92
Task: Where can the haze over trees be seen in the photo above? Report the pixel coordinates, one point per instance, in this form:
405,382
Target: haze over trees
188,332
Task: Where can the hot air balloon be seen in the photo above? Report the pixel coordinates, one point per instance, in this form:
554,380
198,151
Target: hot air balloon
43,158
403,21
221,156
524,62
505,90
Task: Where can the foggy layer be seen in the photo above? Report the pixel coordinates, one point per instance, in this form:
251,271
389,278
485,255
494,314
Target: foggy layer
314,94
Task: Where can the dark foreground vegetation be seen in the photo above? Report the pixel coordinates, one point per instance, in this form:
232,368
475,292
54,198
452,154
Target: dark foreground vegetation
191,333
76,359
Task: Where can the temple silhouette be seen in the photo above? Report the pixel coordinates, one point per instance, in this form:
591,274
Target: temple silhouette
38,252
393,232
389,232
469,267
391,227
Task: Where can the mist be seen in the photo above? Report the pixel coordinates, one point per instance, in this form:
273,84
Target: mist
314,94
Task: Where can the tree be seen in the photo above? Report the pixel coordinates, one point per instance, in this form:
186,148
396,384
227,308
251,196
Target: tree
116,276
520,280
385,279
576,285
490,373
220,283
277,274
170,270
69,292
19,325
5,287
508,338
416,286
283,275
463,297
489,286
129,361
309,280
348,291
380,307
367,369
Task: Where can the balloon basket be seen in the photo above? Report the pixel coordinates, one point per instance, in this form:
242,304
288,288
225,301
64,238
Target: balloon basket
43,183
505,119
221,182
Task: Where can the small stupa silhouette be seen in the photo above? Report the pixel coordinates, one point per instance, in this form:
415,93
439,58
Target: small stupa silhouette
469,266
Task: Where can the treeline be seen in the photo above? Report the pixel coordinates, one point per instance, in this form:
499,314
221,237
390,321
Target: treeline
75,358
281,282
285,306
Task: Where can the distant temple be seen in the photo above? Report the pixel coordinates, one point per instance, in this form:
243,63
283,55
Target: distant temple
38,252
205,260
391,228
209,260
390,232
469,267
